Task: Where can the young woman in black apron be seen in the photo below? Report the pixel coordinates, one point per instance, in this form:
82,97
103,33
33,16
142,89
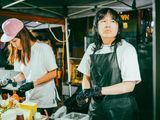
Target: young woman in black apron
111,71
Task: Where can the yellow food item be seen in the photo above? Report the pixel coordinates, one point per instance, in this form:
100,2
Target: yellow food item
16,96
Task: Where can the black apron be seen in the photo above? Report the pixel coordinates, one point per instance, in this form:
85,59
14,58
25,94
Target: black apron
105,72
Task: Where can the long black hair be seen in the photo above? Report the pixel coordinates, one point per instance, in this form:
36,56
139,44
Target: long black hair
100,15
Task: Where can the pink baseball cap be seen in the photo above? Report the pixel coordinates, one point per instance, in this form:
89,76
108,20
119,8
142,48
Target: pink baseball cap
11,27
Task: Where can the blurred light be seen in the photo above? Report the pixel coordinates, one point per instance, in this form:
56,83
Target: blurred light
125,17
152,24
125,25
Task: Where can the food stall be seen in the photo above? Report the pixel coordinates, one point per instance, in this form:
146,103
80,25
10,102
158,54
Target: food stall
72,74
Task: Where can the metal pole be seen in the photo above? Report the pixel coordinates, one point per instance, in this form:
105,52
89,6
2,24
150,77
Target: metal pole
156,60
68,56
34,6
13,3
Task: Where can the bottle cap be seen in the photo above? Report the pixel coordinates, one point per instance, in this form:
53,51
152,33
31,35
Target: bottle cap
19,114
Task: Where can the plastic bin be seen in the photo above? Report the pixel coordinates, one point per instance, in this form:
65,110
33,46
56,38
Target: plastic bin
75,116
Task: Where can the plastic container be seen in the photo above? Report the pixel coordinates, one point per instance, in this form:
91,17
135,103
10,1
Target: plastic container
37,116
19,115
75,116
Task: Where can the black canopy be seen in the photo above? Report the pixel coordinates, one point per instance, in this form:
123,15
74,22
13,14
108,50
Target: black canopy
70,8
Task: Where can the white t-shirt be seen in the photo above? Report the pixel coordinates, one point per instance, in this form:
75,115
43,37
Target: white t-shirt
41,61
127,60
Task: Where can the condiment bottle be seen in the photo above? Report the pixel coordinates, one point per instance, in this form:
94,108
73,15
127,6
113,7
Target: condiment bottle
19,115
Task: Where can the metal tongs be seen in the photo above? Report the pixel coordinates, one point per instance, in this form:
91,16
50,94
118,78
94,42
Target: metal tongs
6,81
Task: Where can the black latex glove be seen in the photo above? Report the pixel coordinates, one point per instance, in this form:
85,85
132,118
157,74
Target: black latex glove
93,92
27,86
87,93
81,98
14,84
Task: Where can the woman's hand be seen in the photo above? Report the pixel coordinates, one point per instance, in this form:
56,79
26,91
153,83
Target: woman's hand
87,94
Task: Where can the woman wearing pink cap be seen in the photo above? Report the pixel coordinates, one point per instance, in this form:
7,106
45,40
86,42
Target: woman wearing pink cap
36,63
